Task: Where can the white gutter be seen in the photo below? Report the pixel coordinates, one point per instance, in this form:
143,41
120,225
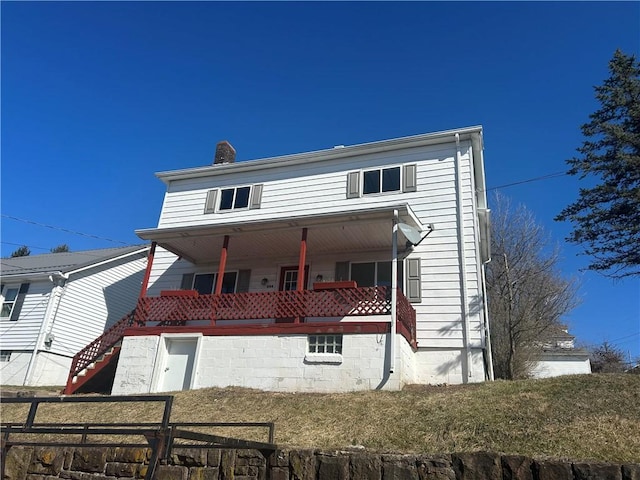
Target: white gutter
289,161
108,260
58,279
394,291
462,256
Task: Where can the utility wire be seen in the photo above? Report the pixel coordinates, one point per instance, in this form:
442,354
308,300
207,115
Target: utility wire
53,227
536,179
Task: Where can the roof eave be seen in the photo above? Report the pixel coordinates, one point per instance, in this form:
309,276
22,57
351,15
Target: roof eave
323,155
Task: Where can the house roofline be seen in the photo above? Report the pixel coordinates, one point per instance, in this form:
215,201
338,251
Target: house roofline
473,133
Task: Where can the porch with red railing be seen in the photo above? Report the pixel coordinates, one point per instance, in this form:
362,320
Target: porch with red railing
305,311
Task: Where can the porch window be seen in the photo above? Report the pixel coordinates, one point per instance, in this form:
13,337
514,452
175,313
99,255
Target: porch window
232,198
331,344
374,274
5,355
9,298
381,180
205,283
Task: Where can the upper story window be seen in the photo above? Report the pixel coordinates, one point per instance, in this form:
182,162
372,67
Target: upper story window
10,295
226,199
381,180
234,198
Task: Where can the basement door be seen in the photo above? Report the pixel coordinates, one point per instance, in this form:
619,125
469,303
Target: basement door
178,368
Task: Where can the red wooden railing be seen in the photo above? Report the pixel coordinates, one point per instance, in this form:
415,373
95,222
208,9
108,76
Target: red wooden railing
178,309
98,347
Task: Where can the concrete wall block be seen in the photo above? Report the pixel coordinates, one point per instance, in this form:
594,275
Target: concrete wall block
593,471
436,468
115,469
89,459
279,458
17,463
366,466
189,457
227,464
551,470
171,472
399,467
203,473
333,467
303,464
631,472
213,457
46,461
517,467
477,465
128,454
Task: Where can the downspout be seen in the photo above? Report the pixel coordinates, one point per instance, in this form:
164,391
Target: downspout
58,279
394,290
463,267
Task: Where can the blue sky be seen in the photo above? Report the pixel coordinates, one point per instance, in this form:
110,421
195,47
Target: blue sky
97,96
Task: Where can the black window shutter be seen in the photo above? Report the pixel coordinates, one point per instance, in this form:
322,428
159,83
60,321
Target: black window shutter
244,276
187,281
24,288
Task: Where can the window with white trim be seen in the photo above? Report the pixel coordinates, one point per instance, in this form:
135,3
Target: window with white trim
205,283
234,198
9,297
331,344
5,355
381,180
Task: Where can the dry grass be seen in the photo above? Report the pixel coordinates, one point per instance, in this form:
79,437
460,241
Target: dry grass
590,417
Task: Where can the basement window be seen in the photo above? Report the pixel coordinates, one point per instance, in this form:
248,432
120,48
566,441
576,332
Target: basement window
325,349
325,344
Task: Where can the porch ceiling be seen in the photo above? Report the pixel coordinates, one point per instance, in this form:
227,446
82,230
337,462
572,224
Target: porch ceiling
356,230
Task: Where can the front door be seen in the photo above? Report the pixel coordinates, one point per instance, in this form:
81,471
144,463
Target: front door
289,282
178,368
289,278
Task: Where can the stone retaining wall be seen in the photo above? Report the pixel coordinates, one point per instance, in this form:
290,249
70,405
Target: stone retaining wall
47,463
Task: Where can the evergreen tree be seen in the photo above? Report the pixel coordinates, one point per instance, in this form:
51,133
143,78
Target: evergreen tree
23,251
63,248
606,217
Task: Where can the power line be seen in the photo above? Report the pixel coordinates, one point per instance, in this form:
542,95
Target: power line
54,227
536,179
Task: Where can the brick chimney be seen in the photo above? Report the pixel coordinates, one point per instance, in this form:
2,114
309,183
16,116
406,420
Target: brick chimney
225,153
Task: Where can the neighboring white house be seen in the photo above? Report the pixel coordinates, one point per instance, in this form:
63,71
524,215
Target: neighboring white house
560,356
54,304
280,273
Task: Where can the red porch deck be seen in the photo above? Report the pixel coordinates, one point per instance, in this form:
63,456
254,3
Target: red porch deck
257,313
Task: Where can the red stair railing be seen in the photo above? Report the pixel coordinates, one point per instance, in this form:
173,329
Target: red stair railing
97,348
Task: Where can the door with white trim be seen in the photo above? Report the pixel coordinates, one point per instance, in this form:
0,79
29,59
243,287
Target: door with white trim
178,365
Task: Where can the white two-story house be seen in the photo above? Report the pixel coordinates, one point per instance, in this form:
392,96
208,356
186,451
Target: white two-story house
357,267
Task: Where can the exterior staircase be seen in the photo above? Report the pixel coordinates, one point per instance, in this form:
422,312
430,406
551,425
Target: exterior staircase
95,364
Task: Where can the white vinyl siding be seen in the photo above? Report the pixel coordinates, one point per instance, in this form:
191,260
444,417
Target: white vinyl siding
22,334
95,299
321,188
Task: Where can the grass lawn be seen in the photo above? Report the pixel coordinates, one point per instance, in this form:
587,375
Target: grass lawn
582,417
